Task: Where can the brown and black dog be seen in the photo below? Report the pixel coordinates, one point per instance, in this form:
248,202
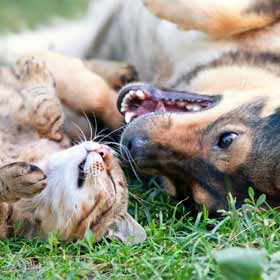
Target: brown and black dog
208,116
216,128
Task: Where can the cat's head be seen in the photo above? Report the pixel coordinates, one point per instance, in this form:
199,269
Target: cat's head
86,189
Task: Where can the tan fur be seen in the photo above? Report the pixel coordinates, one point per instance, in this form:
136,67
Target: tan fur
212,16
245,74
237,59
32,135
81,89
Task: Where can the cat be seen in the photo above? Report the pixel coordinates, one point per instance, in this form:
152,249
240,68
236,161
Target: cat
47,185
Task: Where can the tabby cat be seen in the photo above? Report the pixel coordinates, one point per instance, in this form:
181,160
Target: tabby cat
47,185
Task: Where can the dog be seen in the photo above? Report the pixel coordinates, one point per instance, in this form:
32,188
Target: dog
207,117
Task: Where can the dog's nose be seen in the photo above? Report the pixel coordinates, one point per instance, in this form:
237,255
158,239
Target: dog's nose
136,144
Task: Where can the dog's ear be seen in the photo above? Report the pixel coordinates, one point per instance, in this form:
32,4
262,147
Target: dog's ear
127,230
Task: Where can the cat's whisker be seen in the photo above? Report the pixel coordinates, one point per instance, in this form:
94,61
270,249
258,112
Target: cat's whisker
81,131
112,132
95,125
132,164
89,125
131,161
101,133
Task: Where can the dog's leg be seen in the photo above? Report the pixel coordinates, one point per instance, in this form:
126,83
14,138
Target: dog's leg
115,73
80,89
216,17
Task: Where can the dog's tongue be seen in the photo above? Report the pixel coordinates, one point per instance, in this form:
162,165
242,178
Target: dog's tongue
160,107
146,107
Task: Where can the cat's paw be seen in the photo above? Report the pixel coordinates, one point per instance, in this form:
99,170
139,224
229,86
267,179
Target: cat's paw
47,117
43,107
21,180
32,71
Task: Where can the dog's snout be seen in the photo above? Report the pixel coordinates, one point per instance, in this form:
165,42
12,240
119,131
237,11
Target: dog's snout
136,143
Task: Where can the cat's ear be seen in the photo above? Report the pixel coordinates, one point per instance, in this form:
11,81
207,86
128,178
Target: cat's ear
127,230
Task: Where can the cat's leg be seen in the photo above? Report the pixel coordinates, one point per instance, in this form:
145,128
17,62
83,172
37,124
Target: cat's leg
20,180
117,74
216,17
82,90
37,88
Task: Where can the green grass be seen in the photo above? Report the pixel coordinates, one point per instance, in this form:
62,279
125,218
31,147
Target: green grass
16,15
178,246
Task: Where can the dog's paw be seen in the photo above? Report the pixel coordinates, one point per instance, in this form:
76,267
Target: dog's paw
21,180
155,6
125,74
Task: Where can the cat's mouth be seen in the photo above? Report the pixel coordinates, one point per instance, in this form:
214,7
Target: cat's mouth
105,197
101,209
138,99
81,175
95,163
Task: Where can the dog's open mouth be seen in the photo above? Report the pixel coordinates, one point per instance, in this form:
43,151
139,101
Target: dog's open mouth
139,99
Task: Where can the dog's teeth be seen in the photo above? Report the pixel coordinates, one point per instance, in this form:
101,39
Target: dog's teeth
132,93
169,103
140,94
193,108
124,108
129,96
196,108
180,103
129,116
126,99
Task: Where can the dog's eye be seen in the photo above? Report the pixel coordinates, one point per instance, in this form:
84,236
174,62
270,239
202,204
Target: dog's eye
226,139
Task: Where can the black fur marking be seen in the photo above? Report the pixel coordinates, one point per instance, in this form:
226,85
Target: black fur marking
265,7
56,119
265,60
266,150
9,221
264,161
247,114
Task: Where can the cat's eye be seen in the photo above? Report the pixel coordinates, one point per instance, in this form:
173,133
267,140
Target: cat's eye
226,139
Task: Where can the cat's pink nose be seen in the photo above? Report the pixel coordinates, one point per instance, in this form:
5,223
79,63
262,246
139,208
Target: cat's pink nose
102,151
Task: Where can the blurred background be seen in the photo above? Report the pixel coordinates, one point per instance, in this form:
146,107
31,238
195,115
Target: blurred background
18,15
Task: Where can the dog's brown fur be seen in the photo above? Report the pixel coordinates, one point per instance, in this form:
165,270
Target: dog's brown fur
183,147
238,60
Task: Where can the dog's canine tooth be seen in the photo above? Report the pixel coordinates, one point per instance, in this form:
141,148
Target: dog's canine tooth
140,94
127,99
129,116
123,108
132,93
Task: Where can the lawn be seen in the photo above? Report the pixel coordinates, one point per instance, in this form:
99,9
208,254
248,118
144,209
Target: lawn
178,246
16,15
